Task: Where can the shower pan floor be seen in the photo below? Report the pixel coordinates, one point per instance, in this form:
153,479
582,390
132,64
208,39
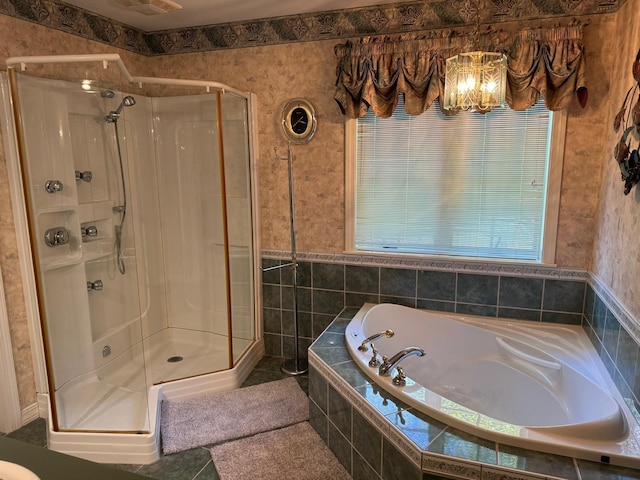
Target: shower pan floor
115,399
93,404
175,353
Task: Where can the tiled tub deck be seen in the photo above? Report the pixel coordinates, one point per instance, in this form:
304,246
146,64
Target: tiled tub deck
376,436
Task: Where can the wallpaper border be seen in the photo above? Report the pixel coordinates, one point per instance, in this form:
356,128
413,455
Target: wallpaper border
388,19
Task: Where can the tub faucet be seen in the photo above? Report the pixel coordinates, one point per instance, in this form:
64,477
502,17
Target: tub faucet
389,364
363,346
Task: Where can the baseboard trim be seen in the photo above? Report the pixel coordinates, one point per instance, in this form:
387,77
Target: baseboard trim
30,413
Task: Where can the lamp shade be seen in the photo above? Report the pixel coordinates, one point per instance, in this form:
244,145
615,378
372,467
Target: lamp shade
475,81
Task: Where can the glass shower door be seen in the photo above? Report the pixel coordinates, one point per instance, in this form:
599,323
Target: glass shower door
90,312
191,205
237,171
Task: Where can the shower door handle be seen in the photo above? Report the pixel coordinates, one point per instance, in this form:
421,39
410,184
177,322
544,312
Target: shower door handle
56,236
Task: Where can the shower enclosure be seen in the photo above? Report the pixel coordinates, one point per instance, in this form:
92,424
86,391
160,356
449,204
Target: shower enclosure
140,204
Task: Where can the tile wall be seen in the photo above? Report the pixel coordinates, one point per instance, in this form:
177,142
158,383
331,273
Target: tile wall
328,284
325,288
616,337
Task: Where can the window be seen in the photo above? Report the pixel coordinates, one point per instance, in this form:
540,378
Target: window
470,185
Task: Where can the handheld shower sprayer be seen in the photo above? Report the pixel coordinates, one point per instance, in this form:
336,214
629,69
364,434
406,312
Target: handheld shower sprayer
113,115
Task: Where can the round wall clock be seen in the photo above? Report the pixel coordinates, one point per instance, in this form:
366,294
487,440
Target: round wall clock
299,121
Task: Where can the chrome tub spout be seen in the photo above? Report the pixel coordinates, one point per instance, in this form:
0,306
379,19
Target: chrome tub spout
363,346
389,364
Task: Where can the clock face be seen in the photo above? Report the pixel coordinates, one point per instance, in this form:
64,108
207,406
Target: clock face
298,121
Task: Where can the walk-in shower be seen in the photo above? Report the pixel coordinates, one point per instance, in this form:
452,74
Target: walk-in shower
141,212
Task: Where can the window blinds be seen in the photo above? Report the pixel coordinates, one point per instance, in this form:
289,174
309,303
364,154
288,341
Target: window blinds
468,185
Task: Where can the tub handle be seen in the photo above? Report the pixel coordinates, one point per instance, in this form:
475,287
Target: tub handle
527,357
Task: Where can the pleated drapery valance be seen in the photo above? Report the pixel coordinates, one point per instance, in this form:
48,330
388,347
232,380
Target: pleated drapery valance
376,70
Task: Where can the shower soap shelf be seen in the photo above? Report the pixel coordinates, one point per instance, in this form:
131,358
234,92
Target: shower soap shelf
68,261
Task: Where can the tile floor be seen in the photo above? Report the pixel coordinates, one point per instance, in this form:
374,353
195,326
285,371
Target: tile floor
192,464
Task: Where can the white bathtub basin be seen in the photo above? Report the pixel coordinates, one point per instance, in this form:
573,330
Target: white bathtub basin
13,471
522,383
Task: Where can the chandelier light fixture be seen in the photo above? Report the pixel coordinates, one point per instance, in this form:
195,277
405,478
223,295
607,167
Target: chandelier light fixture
475,80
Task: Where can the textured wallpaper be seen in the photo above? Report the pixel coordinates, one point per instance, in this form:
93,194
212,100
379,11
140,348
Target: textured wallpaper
278,72
616,253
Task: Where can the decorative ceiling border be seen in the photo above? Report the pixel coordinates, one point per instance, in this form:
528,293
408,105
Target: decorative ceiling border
337,24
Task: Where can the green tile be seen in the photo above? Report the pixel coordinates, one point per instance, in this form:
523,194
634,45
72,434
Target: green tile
329,339
257,377
350,372
178,466
536,462
331,356
456,443
208,473
383,401
367,440
420,428
599,471
34,433
270,363
349,312
395,466
338,326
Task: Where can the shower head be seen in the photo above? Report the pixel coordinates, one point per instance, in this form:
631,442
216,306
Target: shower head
113,116
128,101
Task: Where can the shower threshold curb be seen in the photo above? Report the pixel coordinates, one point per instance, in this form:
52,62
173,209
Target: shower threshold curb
144,448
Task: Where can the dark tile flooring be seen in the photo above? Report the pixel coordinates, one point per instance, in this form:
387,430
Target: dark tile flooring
192,464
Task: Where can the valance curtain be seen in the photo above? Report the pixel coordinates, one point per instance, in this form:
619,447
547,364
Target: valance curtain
376,70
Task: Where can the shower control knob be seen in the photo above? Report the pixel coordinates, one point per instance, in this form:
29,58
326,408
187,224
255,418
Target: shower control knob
53,186
56,236
90,231
85,176
97,285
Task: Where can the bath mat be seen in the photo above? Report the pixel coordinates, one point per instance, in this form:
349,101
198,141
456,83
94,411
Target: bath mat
291,452
224,416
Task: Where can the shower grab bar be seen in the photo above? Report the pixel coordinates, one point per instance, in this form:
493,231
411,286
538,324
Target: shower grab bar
526,356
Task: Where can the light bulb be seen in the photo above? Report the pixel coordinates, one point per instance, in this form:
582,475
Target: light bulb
491,86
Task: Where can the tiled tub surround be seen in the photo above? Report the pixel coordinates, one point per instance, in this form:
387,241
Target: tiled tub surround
616,337
535,385
376,436
329,283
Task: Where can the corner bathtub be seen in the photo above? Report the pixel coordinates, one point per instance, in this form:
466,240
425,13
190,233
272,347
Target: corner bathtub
526,384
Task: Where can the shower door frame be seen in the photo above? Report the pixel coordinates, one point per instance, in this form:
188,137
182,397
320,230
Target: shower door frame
21,222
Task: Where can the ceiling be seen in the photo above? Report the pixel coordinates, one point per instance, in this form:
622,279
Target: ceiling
210,12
